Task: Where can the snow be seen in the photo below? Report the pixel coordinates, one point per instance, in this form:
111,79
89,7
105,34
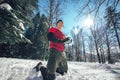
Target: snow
8,7
21,69
5,6
21,35
21,25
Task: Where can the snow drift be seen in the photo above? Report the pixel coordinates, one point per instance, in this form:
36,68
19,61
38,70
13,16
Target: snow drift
20,69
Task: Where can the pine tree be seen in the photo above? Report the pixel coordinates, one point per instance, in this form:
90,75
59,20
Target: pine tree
15,15
38,36
13,19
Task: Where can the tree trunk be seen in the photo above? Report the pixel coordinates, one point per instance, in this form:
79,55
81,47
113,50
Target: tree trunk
96,45
117,36
108,49
102,54
91,56
84,48
98,55
51,12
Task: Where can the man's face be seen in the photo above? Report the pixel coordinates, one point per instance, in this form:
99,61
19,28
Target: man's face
60,25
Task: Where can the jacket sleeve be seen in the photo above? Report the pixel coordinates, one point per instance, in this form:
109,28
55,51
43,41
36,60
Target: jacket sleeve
51,37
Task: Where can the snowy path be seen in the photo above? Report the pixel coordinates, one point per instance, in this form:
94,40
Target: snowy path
19,69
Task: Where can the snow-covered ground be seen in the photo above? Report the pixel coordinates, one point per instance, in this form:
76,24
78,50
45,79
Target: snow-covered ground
20,69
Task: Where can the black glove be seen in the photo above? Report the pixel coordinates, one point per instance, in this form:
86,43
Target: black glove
68,40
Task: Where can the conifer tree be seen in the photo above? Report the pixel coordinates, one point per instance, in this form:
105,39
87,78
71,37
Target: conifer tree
15,15
38,36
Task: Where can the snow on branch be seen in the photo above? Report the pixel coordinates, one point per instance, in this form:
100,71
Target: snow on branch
5,6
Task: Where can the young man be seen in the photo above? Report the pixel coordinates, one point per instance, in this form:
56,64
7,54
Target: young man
57,61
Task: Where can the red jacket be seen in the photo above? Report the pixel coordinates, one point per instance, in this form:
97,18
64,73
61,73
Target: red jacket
58,35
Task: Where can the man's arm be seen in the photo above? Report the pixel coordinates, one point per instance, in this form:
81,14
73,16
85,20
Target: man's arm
51,37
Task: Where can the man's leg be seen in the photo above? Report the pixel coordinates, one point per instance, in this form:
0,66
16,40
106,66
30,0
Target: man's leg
54,59
63,66
44,72
52,64
45,75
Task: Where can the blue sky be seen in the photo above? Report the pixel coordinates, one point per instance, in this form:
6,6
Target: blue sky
72,19
69,19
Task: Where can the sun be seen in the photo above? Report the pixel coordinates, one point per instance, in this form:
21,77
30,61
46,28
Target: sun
88,22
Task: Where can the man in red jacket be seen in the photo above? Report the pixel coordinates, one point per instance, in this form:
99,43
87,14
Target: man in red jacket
57,58
57,61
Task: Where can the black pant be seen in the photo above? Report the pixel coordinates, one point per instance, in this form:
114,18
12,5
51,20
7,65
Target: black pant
47,76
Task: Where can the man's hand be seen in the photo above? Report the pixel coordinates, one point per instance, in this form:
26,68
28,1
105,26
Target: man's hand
68,40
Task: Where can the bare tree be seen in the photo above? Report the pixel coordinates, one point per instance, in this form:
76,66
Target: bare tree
91,46
113,18
101,42
53,9
78,43
84,52
94,6
96,38
108,47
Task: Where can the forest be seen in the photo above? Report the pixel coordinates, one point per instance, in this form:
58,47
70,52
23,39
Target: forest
24,28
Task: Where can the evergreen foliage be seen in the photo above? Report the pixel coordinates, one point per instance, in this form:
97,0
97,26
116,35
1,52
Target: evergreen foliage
11,31
38,36
15,19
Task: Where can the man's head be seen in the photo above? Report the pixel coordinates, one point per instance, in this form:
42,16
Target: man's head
59,24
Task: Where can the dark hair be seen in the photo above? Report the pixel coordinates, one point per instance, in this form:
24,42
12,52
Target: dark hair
59,21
